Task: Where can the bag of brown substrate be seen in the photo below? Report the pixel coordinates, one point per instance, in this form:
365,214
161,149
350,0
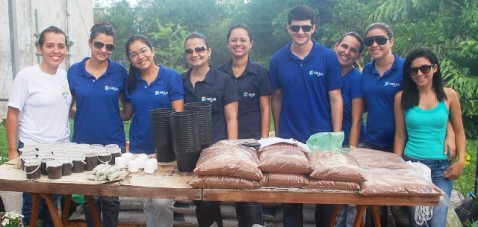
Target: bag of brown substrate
369,158
226,158
223,182
396,182
332,185
283,158
284,180
335,166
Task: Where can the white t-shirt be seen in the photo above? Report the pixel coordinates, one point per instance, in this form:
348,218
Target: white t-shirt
44,103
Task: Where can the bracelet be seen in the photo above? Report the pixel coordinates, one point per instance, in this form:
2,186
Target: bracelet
352,147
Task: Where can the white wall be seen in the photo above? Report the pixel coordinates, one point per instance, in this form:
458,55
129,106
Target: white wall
22,23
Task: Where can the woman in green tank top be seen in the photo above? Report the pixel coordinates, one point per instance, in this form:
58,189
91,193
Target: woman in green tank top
424,112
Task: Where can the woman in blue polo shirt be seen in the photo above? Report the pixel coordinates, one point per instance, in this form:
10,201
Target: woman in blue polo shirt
202,83
348,50
150,87
254,90
97,85
382,79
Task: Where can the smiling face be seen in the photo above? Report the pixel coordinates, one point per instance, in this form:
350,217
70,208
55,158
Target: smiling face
197,53
53,50
239,42
141,55
101,53
347,51
377,51
418,71
301,37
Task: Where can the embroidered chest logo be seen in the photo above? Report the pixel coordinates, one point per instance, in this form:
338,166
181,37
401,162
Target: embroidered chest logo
111,88
392,84
316,73
160,92
66,95
249,94
208,99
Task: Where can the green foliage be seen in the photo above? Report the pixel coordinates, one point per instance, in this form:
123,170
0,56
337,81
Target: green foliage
169,40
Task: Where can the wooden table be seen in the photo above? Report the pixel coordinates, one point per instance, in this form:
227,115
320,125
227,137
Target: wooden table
165,183
168,183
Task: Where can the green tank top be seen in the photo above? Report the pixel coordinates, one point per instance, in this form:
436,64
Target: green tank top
426,131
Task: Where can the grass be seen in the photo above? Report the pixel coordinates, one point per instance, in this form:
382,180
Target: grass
465,184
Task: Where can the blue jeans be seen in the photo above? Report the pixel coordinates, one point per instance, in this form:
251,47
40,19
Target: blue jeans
44,213
438,168
248,214
106,205
346,216
293,217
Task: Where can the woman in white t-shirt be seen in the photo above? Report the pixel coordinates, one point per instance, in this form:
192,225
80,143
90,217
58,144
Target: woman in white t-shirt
39,104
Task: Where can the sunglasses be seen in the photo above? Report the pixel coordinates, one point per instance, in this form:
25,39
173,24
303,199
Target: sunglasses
99,45
379,39
198,50
424,69
296,28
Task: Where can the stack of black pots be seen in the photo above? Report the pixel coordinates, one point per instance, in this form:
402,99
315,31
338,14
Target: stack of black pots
162,134
204,121
185,134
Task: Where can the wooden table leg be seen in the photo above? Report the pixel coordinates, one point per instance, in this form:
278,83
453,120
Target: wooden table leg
359,216
93,211
35,209
66,210
333,219
50,203
376,215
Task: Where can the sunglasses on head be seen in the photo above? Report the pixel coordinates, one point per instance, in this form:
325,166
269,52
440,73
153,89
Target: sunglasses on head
296,28
99,45
423,68
198,50
379,39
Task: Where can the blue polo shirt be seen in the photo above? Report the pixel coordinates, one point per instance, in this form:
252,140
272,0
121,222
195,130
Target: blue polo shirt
305,85
351,90
160,93
219,90
379,93
97,119
251,85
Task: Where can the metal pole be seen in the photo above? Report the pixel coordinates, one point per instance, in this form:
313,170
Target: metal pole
13,36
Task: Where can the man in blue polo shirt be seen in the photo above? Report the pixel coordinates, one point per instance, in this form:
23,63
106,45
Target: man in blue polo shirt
306,81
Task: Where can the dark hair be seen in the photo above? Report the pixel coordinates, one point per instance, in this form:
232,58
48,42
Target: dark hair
51,29
197,35
104,28
133,70
356,36
410,96
301,12
359,39
240,25
381,26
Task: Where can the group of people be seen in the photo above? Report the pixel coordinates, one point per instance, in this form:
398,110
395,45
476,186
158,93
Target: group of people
308,87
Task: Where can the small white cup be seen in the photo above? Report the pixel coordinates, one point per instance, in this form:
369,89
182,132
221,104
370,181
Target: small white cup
127,156
153,162
133,166
141,160
120,162
149,168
